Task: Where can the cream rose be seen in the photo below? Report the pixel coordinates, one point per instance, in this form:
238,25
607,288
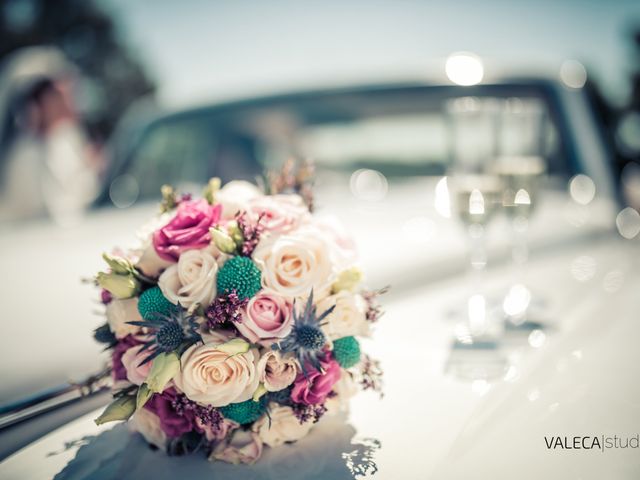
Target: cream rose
119,312
293,264
276,372
212,377
131,360
192,280
236,196
148,425
280,426
150,262
242,447
349,317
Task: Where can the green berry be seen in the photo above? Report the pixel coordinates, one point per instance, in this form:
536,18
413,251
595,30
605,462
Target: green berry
244,412
153,301
346,351
239,274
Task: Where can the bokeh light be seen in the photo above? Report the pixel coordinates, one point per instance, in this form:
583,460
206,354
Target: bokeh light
573,74
369,185
628,223
464,68
582,189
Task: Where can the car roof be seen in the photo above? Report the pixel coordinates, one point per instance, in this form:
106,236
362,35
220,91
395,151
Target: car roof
502,87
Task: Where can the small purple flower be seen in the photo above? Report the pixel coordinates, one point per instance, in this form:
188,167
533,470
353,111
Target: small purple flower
105,296
208,416
250,232
306,413
225,309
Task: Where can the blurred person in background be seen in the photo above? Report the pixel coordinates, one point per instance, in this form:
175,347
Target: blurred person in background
47,164
66,82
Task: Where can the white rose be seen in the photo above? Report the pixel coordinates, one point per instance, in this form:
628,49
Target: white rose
212,377
148,425
349,317
295,263
235,197
192,280
276,372
280,426
119,312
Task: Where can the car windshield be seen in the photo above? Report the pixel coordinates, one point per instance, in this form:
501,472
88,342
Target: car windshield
398,132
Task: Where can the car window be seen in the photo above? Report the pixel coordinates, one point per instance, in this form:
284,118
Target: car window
400,133
174,151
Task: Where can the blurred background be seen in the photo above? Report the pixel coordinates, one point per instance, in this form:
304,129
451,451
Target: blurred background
450,137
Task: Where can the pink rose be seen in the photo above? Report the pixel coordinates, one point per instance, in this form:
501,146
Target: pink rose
315,387
280,213
243,447
277,372
187,230
131,360
219,433
267,316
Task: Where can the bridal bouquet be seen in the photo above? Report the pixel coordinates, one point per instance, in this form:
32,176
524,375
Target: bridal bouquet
234,325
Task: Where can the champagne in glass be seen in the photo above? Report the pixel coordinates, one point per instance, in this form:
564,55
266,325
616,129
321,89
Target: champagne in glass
520,176
476,199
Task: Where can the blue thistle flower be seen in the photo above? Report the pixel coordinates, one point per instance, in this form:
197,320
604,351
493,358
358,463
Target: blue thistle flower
169,331
306,339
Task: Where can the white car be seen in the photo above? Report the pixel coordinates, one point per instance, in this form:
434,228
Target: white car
528,405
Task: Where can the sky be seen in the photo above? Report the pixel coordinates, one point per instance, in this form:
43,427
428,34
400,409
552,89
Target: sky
199,51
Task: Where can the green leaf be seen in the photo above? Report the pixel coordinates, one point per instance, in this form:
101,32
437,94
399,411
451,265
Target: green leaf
260,391
165,366
144,394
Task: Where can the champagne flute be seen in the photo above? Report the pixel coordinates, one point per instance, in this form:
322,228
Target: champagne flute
521,177
476,199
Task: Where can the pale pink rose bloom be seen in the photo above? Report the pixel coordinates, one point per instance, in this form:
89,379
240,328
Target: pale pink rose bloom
243,447
344,249
131,360
277,372
226,426
279,213
266,318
